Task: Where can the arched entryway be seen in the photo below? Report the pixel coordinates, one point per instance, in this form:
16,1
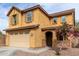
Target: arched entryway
48,39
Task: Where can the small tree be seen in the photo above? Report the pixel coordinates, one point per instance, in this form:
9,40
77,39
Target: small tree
64,28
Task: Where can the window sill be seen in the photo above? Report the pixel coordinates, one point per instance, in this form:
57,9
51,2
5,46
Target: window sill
13,24
28,21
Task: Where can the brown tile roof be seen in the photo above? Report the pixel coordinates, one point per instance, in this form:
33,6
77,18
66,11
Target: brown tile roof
62,13
21,28
38,6
29,9
35,7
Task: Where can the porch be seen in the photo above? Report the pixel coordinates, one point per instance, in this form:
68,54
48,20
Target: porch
54,39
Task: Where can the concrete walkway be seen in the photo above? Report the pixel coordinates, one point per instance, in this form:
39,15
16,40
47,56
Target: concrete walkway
70,52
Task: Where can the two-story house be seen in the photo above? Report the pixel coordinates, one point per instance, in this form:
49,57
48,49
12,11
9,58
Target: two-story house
34,27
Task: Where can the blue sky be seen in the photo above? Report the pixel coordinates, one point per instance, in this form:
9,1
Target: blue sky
50,8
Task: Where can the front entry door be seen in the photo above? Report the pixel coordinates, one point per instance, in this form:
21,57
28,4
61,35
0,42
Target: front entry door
49,39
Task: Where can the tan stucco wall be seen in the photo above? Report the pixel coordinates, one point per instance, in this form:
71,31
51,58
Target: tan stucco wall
69,20
14,11
38,18
37,37
43,20
22,17
35,41
7,39
32,38
34,19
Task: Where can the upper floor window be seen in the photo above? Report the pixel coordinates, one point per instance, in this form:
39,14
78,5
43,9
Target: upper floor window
63,19
14,20
28,17
55,19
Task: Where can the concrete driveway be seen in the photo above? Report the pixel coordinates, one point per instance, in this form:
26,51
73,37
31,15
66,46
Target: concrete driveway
6,51
10,51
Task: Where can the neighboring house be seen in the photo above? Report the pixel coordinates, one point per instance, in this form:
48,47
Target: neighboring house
34,27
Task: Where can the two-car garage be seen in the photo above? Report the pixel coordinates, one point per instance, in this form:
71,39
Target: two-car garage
19,39
21,36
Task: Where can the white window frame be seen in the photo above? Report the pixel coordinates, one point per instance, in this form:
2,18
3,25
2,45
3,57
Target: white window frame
29,15
55,20
63,19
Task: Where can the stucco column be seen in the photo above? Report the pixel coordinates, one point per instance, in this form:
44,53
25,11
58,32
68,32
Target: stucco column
44,40
54,39
7,39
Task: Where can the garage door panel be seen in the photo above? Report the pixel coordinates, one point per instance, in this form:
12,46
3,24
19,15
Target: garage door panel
19,40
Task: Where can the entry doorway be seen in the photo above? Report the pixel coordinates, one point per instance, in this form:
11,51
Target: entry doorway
48,39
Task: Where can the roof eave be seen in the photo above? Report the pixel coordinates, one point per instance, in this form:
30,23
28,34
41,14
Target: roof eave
12,9
36,7
21,28
66,12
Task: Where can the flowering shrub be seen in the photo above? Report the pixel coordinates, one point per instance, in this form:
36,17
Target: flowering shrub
70,35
